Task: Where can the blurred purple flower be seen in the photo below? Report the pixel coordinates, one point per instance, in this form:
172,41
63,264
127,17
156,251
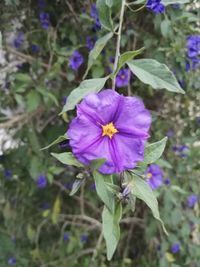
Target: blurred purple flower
19,40
35,48
192,200
84,238
95,16
93,187
44,20
175,248
76,60
167,181
170,133
113,127
156,6
41,181
69,185
66,237
180,150
90,42
7,173
12,260
123,78
154,176
193,52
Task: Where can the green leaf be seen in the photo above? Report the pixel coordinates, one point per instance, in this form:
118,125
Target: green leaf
142,190
99,46
165,27
33,100
128,56
23,78
158,75
109,3
104,12
102,189
76,185
169,2
154,151
111,228
67,158
86,87
57,141
56,210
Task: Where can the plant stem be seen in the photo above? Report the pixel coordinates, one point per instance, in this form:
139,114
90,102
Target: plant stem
117,54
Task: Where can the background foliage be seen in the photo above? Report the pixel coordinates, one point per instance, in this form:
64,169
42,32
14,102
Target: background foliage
41,225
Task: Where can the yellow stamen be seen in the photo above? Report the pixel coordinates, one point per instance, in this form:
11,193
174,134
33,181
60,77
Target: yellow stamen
109,130
149,175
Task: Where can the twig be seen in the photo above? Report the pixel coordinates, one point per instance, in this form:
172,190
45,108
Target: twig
20,118
117,54
96,249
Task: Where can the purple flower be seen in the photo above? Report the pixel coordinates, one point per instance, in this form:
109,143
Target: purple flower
193,52
167,181
44,20
19,40
35,48
7,173
66,237
95,16
76,60
175,248
12,260
180,150
41,181
113,127
123,78
156,6
170,133
154,176
192,200
90,42
83,238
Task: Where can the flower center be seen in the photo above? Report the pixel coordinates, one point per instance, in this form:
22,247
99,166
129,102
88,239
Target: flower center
149,175
109,130
122,76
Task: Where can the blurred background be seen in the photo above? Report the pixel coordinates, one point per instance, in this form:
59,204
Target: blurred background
44,47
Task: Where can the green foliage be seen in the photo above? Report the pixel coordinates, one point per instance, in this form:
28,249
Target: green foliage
158,75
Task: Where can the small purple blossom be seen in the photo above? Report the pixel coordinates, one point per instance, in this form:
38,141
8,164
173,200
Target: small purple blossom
35,48
95,16
66,237
84,238
156,6
154,176
76,60
123,78
19,40
170,133
193,52
126,191
113,127
181,150
44,20
69,185
41,181
175,248
167,181
90,42
192,200
12,260
7,173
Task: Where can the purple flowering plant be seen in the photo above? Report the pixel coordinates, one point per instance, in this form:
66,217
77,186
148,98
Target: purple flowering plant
110,132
